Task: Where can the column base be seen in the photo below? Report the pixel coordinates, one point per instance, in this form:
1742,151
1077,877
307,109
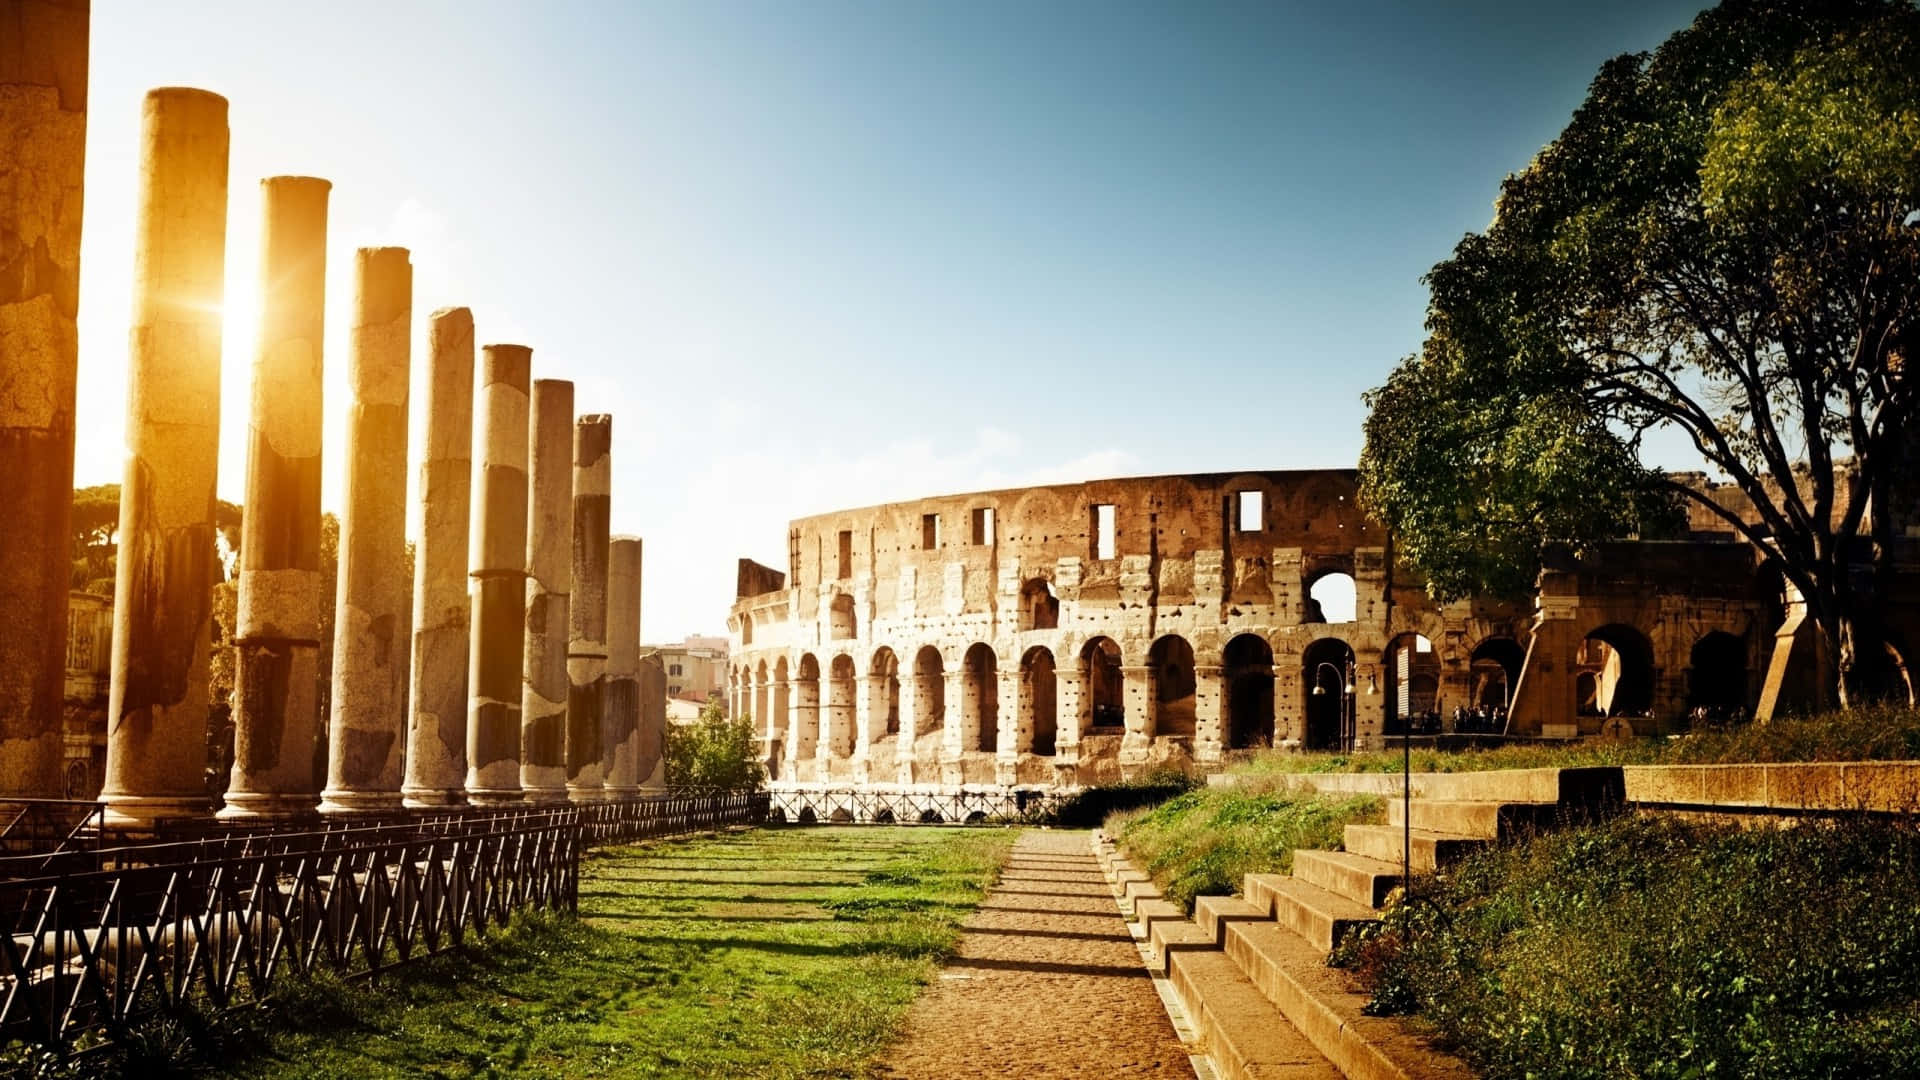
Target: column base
488,797
543,796
247,806
359,803
618,794
581,793
432,798
139,812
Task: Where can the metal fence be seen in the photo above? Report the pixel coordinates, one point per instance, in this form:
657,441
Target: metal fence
867,807
115,935
46,826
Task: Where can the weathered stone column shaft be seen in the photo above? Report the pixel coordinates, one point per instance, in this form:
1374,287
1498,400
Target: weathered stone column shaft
620,729
43,152
587,606
167,562
497,586
277,621
543,702
437,697
370,628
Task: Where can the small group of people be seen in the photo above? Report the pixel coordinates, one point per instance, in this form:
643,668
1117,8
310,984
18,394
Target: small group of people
1480,719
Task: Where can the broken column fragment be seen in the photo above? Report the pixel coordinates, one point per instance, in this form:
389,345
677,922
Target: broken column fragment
543,704
43,152
587,607
370,648
277,622
437,697
167,562
620,730
497,585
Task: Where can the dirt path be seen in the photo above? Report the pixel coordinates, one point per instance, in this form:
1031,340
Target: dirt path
1047,983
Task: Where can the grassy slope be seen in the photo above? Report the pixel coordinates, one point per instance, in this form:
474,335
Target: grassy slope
1203,842
781,953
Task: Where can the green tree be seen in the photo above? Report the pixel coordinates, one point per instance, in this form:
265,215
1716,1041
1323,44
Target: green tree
714,753
1722,244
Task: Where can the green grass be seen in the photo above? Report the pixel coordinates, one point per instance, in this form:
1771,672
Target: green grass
1202,843
1648,947
1876,733
777,953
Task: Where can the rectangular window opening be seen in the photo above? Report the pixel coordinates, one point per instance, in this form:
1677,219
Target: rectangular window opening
983,526
1103,531
929,531
1252,511
846,554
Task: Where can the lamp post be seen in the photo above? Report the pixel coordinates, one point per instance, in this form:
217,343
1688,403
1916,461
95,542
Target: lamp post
1346,695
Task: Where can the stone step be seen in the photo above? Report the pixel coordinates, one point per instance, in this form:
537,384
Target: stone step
1431,850
1484,820
1168,937
1324,1005
1321,917
1245,1036
1149,911
1357,877
1213,913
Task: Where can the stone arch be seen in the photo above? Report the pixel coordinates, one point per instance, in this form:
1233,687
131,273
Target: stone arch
1621,660
1494,668
805,735
1717,677
929,692
1103,685
980,699
1039,722
1170,669
762,684
883,690
1039,607
746,629
1412,666
1246,673
1330,594
842,625
842,685
1327,689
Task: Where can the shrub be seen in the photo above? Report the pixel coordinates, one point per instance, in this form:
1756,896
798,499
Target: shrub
714,753
1089,807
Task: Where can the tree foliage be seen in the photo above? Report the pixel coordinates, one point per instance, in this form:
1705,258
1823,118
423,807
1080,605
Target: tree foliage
1721,244
714,753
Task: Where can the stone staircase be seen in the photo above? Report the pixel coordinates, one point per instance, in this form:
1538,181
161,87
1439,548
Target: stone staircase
1250,970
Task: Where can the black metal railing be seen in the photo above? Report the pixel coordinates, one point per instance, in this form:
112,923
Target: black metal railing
48,826
854,806
216,915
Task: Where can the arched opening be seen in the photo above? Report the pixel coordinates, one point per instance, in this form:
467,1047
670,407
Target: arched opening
806,708
762,685
1171,663
1621,660
980,708
1327,675
779,719
1717,678
1246,671
929,693
840,620
1331,598
1039,608
883,693
1493,670
746,629
1037,701
1413,685
1103,685
840,691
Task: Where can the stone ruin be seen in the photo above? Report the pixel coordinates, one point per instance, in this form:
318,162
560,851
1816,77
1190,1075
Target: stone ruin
511,673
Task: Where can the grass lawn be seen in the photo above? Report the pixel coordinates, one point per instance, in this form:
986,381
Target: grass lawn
776,953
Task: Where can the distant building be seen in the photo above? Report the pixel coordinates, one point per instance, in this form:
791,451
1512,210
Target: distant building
696,671
89,668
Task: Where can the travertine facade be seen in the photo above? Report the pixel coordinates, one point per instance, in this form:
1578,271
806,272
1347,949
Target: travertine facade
1073,633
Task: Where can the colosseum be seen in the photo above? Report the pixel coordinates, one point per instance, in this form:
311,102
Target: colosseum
1077,633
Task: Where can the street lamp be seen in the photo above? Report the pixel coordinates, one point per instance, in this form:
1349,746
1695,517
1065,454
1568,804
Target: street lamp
1349,704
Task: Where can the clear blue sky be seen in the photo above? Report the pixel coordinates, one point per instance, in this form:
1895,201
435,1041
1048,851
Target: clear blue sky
818,254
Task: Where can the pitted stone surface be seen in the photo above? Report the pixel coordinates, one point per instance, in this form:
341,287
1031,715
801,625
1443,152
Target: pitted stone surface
497,547
543,704
1047,982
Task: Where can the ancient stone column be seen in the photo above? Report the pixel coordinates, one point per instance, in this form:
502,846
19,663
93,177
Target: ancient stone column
587,608
543,703
620,730
43,148
497,553
437,688
167,564
277,623
370,646
653,724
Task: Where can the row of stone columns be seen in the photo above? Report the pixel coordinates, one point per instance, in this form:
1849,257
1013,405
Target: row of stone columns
484,685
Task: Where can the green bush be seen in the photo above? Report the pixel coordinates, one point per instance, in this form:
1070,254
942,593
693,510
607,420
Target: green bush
1088,807
1648,947
1203,842
714,753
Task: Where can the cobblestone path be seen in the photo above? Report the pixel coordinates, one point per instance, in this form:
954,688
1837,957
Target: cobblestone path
1047,983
